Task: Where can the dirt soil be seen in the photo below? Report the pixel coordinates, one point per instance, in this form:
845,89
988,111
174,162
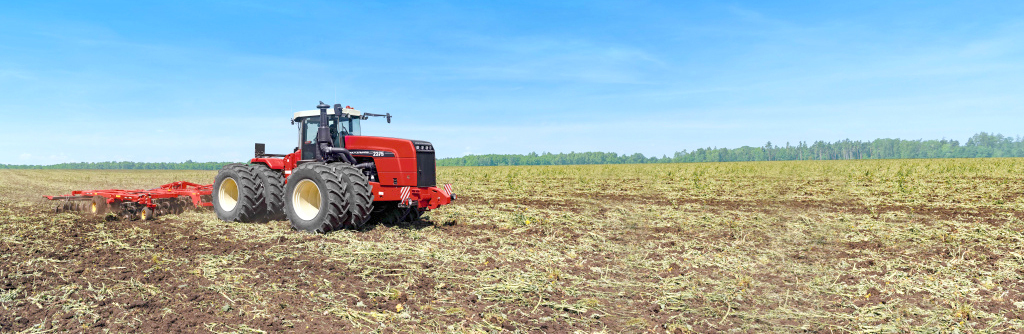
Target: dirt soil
149,281
551,249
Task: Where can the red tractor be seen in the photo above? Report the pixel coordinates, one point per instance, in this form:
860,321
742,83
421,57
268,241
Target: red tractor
335,179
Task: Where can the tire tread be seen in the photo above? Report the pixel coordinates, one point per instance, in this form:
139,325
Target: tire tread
273,191
359,195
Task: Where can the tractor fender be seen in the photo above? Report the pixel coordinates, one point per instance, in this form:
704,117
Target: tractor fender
273,163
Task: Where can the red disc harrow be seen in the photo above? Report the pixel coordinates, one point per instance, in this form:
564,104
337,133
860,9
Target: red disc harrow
171,198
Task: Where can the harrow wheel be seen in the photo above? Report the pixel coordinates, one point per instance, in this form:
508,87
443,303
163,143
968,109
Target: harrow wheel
146,214
99,206
237,195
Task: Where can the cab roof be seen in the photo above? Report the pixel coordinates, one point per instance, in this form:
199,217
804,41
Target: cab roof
351,113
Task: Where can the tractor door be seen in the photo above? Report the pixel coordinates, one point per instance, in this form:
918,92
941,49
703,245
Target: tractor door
307,138
340,127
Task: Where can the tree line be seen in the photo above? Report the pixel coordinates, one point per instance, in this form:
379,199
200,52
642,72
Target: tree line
981,145
187,165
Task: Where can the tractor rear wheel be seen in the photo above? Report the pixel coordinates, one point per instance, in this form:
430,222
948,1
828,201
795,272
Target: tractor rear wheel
315,198
359,195
273,191
237,194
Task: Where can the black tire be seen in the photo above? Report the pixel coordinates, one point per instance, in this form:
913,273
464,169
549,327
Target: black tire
237,195
359,195
273,191
315,198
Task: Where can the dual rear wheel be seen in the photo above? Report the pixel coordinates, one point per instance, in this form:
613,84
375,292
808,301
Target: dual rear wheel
318,197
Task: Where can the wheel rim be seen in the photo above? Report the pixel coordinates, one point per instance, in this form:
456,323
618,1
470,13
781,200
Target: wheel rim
93,208
227,194
306,199
143,215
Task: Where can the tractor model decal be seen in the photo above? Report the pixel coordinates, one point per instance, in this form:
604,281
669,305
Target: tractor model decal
375,154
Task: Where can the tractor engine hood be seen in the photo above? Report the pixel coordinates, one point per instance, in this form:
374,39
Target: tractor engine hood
415,157
393,147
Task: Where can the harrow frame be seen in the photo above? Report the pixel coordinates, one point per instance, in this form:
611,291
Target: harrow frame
133,203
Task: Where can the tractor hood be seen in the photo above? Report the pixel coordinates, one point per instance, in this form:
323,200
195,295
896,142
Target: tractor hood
414,156
403,148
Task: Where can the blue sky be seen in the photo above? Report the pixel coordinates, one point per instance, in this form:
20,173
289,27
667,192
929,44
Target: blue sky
204,80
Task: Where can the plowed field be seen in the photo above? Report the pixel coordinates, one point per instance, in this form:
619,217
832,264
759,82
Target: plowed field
834,246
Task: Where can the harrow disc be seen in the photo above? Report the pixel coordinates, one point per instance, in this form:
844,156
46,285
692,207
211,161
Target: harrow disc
64,207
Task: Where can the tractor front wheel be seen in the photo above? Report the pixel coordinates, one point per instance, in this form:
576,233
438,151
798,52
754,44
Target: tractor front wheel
315,198
359,195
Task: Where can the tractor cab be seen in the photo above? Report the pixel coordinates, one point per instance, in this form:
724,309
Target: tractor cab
341,124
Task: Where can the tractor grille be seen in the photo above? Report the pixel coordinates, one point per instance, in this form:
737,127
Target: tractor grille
426,174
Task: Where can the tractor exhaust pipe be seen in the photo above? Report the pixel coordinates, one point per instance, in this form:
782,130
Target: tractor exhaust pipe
327,152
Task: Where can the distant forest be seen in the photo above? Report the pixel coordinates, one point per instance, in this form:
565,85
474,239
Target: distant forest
187,165
982,145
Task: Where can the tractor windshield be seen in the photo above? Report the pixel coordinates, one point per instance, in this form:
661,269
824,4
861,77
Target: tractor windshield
348,126
344,126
